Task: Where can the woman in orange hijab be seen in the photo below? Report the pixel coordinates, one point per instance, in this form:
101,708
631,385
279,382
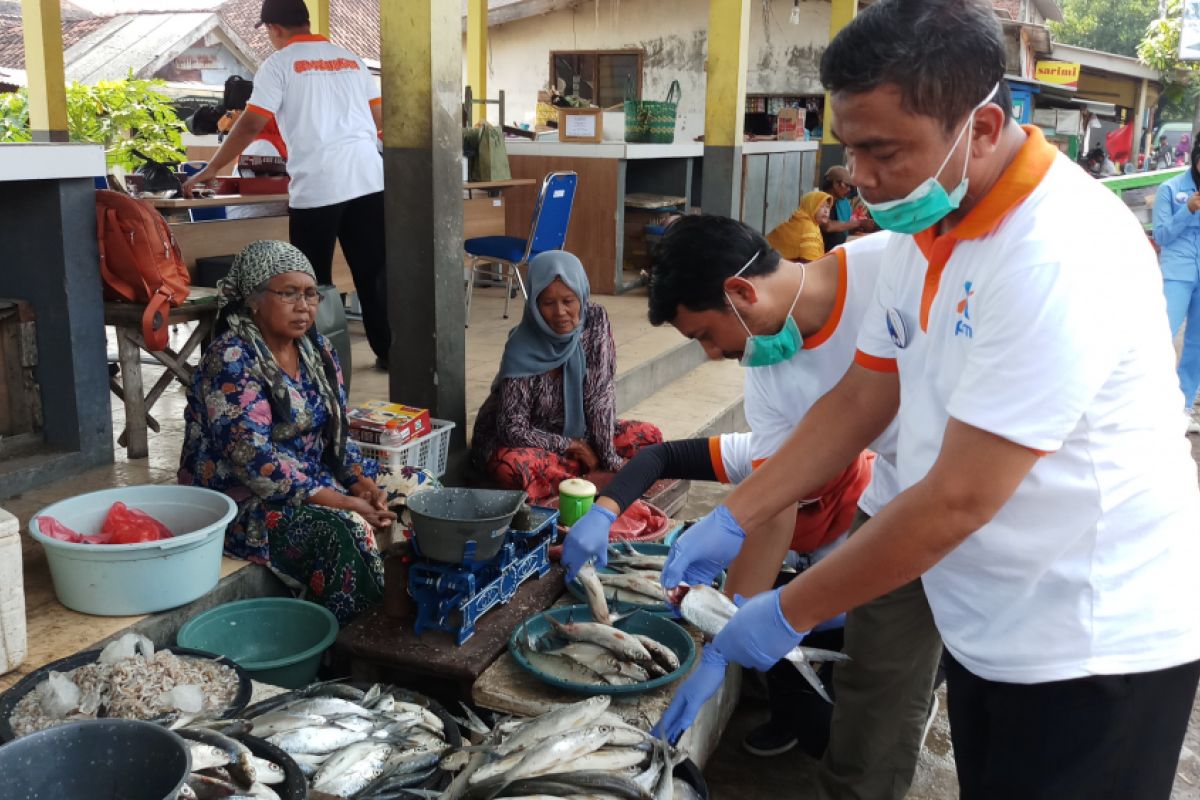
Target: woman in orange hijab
799,239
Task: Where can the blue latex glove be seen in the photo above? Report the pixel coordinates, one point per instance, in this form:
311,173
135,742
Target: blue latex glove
704,550
691,695
588,540
758,635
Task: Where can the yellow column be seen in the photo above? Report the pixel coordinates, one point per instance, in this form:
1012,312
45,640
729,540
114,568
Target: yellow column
477,46
841,12
421,59
318,15
42,20
725,95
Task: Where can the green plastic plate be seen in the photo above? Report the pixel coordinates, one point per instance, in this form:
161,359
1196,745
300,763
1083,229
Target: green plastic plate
664,630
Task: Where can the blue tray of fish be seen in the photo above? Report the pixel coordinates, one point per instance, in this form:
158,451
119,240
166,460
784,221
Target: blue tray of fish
538,646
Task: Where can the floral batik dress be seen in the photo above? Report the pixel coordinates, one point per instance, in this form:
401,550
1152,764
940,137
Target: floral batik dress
271,467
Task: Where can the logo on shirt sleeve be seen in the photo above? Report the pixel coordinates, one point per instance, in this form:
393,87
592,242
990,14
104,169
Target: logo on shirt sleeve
963,326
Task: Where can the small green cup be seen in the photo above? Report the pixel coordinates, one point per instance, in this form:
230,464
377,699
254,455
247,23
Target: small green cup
575,497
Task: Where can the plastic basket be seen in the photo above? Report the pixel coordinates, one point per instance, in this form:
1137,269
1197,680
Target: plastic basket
429,452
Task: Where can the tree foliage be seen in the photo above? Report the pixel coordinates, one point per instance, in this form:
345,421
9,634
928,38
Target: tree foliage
124,116
1159,49
1113,26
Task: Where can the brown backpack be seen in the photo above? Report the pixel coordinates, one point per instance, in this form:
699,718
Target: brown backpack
140,261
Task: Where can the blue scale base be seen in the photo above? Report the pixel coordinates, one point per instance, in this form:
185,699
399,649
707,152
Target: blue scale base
452,597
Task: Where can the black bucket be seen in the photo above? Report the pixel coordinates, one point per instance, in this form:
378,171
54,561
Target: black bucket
97,758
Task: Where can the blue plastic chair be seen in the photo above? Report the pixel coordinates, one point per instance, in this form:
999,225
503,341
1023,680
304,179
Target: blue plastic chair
207,214
551,216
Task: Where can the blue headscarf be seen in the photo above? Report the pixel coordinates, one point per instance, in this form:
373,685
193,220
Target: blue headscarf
533,347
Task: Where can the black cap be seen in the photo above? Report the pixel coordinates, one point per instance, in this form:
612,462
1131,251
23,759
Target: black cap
289,13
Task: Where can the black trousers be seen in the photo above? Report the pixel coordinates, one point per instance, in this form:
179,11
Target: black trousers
1104,737
358,225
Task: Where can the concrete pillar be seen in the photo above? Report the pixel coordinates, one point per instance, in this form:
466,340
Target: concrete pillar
725,106
841,12
1141,137
477,47
318,16
421,43
42,20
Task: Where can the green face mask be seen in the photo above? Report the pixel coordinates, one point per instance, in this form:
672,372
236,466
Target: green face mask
776,348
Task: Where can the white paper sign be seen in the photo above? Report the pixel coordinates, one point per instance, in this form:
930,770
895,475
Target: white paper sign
581,125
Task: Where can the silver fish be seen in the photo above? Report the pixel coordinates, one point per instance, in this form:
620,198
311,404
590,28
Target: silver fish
622,644
349,770
316,740
594,591
309,763
568,718
610,759
709,610
663,655
205,756
561,752
601,661
268,772
275,722
639,582
328,707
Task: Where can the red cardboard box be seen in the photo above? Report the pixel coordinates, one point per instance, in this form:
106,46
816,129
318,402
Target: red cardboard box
389,424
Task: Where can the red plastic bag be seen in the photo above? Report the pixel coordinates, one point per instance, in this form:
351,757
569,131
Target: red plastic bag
51,527
125,525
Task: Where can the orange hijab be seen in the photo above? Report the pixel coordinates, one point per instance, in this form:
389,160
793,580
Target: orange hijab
799,239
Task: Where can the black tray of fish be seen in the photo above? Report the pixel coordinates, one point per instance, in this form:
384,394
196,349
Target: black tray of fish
354,692
10,698
222,777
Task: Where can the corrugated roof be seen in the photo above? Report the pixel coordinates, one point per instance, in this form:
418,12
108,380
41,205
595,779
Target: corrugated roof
141,43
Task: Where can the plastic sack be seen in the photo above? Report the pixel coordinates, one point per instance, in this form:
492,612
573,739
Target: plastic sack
125,525
51,527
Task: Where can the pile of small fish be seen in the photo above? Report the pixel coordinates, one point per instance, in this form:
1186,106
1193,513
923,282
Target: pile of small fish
224,767
633,577
366,745
595,653
709,610
130,680
579,750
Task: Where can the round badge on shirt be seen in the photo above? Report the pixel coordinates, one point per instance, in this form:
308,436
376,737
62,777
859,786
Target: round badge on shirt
897,328
1181,197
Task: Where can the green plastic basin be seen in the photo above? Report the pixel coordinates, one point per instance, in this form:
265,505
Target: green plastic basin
278,640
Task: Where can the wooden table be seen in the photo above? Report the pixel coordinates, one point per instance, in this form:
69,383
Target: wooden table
200,308
185,203
382,648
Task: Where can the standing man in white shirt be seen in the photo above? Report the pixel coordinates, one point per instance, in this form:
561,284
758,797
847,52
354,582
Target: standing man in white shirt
1048,500
329,111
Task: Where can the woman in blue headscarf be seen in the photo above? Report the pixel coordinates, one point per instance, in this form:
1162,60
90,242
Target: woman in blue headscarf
551,414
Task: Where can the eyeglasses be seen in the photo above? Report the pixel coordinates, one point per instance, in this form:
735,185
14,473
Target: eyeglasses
292,296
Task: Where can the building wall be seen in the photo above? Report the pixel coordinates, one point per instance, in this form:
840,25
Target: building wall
783,58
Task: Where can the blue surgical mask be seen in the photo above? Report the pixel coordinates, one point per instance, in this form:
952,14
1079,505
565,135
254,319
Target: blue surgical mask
929,203
776,348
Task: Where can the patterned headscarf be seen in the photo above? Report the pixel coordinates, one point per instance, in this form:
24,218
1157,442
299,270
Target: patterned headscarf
252,268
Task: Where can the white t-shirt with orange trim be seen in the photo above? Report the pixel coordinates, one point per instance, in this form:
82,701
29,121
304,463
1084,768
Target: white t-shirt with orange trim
1048,328
777,397
321,96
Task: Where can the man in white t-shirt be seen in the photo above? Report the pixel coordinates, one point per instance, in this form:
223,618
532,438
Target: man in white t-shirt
329,111
1048,497
716,280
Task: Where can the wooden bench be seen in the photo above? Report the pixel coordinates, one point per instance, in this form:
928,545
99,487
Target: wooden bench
200,308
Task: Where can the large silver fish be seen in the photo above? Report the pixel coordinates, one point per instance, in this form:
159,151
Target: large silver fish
594,591
624,645
568,718
709,610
